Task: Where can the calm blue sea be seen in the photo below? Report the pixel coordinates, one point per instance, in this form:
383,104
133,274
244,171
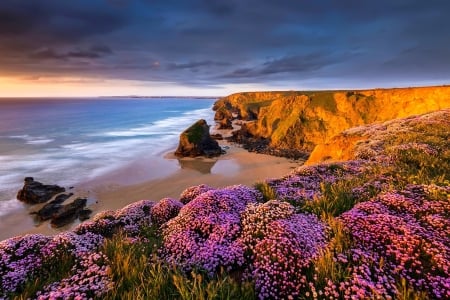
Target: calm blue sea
66,141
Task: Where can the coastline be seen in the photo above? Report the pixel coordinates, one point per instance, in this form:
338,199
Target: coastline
156,177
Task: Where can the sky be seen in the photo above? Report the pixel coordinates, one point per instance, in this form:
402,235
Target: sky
217,47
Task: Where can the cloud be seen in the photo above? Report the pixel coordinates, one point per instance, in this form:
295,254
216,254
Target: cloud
91,53
196,65
218,42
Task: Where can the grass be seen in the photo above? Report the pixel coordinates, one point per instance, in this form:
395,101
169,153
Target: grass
139,274
324,100
266,190
407,293
195,133
335,199
325,265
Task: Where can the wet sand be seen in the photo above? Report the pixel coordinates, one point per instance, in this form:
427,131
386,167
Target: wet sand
157,177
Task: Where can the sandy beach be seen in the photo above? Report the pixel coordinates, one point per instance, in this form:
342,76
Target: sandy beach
157,177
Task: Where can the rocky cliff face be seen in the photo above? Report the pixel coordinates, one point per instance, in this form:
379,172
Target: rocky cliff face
365,142
301,120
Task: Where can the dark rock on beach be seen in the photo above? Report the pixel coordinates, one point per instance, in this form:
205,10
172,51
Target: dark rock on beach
196,141
49,209
262,145
225,124
84,214
34,192
217,136
68,213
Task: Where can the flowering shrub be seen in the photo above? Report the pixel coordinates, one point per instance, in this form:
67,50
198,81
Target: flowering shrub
285,253
26,257
128,219
399,235
165,210
304,183
133,216
20,259
256,219
91,279
204,234
191,193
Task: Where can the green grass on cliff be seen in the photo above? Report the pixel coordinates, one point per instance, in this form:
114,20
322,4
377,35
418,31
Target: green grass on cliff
323,100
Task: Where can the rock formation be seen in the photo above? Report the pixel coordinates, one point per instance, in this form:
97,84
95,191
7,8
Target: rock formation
68,213
301,120
50,208
196,141
35,192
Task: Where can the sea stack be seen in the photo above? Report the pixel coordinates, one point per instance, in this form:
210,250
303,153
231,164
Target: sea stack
196,141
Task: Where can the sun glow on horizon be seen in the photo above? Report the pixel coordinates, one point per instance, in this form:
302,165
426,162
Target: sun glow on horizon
94,87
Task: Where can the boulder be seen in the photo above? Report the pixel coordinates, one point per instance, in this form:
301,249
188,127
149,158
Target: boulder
196,141
68,213
49,209
35,192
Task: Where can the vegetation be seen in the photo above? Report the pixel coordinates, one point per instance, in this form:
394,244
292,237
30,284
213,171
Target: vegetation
195,132
374,226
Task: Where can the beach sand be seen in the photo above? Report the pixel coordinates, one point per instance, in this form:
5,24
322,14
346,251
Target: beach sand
154,178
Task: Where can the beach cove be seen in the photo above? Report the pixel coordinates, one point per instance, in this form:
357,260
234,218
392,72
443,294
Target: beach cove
152,175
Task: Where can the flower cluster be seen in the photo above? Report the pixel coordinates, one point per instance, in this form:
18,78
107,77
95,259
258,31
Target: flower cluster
204,234
256,218
228,228
399,235
20,259
91,278
24,258
128,219
283,255
304,183
191,193
165,210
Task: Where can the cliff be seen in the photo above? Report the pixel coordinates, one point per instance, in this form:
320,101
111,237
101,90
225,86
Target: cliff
301,120
379,139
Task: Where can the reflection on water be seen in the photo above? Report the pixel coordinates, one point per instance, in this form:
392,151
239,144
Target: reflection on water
201,165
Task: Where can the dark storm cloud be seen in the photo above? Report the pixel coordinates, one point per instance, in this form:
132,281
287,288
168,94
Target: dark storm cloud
289,64
213,42
93,52
196,65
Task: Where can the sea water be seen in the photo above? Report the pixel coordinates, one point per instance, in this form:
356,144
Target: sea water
68,141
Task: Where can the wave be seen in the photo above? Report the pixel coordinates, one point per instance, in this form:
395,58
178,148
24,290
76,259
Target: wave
89,156
168,126
39,141
31,140
8,206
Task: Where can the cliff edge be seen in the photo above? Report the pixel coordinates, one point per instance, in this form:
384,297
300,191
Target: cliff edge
302,120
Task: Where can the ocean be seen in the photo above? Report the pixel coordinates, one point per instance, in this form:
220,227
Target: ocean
69,141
